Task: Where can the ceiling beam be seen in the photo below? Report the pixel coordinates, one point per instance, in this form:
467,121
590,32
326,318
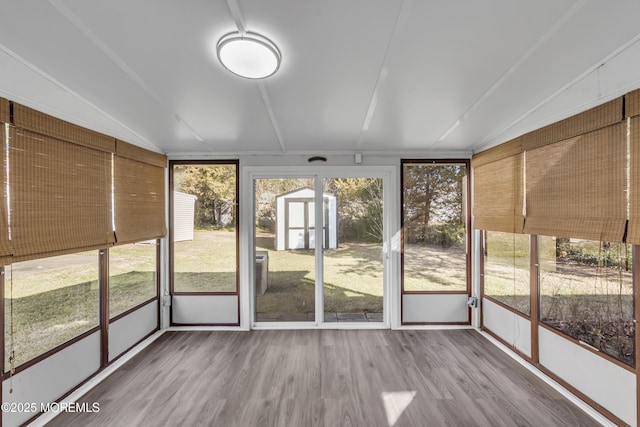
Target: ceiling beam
486,142
62,114
398,27
236,13
128,71
513,68
238,17
272,116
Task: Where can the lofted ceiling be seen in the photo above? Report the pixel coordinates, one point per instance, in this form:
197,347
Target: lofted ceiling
397,77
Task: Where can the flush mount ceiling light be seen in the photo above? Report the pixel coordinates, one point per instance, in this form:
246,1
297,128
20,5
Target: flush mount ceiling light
248,55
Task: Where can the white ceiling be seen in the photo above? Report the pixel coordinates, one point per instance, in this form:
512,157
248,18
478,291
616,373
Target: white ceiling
437,77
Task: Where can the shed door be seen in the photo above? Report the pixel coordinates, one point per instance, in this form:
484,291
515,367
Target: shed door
300,232
299,222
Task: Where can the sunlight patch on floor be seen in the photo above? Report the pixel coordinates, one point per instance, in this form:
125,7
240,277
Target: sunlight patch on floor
395,403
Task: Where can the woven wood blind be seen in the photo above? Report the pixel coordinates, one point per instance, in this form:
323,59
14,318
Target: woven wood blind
27,118
60,196
596,118
632,103
5,246
497,188
4,111
134,152
633,232
139,194
577,187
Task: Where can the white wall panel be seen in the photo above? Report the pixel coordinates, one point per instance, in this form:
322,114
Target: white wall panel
128,330
612,387
513,329
434,308
205,309
51,378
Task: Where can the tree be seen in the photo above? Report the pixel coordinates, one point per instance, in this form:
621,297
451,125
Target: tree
433,202
360,207
215,189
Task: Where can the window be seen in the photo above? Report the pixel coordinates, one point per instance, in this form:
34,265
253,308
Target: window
48,302
204,233
586,292
132,275
65,193
434,255
506,269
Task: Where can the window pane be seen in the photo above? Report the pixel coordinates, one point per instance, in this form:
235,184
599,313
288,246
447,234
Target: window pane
49,301
434,252
132,276
285,250
586,292
352,256
204,228
506,269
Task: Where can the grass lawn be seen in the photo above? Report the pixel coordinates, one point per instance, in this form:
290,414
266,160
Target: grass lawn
56,299
352,273
132,276
353,279
50,305
506,270
434,268
207,263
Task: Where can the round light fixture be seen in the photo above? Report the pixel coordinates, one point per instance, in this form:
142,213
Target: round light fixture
248,55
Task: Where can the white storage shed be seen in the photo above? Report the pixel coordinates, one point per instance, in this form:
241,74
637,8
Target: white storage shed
184,206
295,220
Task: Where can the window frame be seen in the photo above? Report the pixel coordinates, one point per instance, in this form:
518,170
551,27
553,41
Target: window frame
534,318
103,317
171,263
468,230
634,265
29,363
504,305
143,303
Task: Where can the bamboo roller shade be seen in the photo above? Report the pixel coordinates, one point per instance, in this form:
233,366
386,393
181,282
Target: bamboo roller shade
507,149
60,179
498,195
139,193
598,117
27,118
577,187
4,111
60,196
5,246
632,103
133,152
633,232
139,201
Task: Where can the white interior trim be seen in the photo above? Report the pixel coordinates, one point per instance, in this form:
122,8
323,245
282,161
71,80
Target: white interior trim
247,240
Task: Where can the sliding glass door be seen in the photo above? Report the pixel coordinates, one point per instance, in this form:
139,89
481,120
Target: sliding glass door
318,245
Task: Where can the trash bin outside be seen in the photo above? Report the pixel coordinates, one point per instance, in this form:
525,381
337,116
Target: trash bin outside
262,272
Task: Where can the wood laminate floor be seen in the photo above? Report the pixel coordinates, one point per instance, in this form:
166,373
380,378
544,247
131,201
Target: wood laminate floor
324,378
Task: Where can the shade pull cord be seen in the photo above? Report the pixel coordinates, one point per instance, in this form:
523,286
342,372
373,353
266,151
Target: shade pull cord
12,354
516,328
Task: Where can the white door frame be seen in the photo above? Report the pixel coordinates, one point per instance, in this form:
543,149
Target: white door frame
391,246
